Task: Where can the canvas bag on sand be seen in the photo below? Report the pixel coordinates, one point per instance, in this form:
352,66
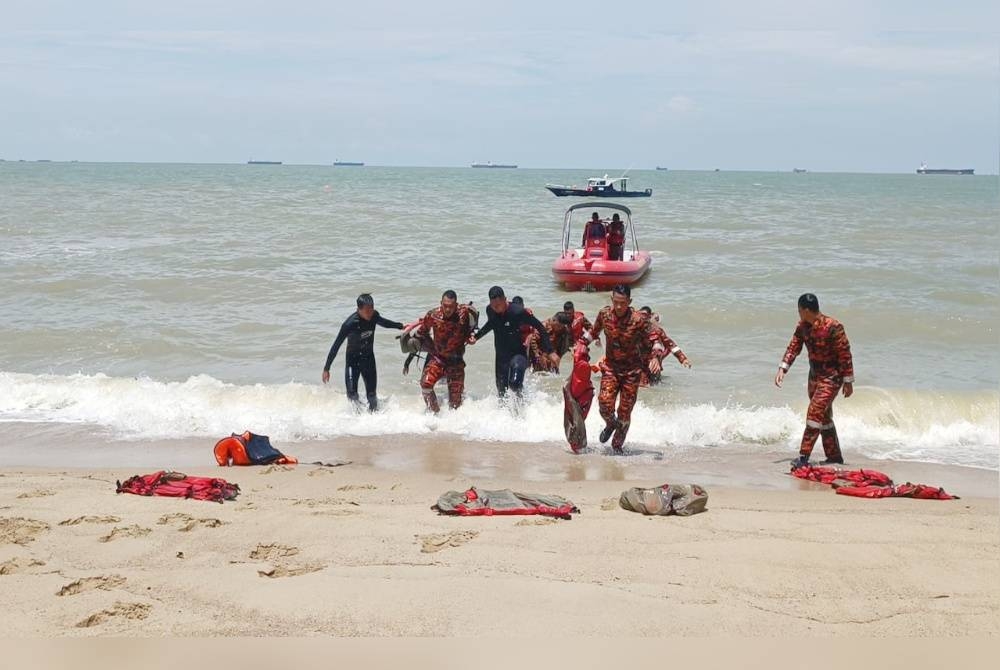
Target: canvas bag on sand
679,499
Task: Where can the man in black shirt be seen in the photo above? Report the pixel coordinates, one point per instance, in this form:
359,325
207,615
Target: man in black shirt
505,320
359,331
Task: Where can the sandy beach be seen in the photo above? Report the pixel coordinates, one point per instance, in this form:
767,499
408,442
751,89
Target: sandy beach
355,550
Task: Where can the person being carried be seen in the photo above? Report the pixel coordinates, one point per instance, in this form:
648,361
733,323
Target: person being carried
669,347
447,329
830,368
359,332
616,238
630,346
504,320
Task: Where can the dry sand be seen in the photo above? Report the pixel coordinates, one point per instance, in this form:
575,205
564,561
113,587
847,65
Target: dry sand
355,550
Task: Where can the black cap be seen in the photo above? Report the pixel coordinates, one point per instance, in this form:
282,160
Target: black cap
496,292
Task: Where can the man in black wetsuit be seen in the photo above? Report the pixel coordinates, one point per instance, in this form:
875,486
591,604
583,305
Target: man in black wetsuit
359,331
505,320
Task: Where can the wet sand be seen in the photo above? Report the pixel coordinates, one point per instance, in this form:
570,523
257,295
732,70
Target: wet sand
356,550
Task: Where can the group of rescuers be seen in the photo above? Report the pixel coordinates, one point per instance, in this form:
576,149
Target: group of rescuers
635,345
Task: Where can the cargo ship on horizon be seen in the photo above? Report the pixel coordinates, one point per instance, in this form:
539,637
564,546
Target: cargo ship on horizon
923,169
491,164
348,164
253,162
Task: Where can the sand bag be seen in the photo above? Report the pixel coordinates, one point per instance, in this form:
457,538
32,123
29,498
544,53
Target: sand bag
679,499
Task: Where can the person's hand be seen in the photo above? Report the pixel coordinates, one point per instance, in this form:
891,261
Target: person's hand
472,339
848,389
326,376
406,368
655,366
779,377
686,363
554,357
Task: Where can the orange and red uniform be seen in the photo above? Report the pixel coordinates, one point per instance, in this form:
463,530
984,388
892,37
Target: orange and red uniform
830,367
559,335
630,345
669,347
446,356
579,326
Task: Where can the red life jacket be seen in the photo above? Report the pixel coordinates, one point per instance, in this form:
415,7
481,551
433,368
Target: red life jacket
868,484
178,485
616,235
233,451
577,325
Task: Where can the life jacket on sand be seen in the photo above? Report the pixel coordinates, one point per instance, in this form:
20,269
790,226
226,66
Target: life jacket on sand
578,394
249,449
869,484
488,503
179,485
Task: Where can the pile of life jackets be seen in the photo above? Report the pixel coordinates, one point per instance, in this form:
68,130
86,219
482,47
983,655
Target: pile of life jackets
179,485
868,484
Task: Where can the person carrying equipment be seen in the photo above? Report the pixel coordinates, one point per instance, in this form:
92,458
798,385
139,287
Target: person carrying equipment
447,328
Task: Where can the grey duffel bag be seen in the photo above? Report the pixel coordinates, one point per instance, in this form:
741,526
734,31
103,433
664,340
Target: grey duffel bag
679,499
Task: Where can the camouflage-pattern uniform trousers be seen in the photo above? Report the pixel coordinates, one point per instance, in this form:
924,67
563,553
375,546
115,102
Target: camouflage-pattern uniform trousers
630,345
446,358
669,347
830,367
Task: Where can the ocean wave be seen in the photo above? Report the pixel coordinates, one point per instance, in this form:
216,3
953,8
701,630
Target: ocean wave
954,428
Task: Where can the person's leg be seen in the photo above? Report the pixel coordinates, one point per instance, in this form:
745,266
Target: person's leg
606,403
628,385
500,367
352,373
432,373
456,384
819,415
828,432
515,373
370,375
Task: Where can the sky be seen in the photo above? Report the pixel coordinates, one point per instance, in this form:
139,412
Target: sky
865,87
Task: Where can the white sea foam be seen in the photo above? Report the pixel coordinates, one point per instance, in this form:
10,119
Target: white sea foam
902,425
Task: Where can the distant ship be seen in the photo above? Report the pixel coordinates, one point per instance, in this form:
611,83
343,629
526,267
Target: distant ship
923,169
799,170
661,168
491,164
348,164
253,162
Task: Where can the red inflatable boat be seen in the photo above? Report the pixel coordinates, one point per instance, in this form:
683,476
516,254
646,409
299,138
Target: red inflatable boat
603,251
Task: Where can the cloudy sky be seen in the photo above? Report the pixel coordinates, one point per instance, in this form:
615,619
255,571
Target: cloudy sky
582,84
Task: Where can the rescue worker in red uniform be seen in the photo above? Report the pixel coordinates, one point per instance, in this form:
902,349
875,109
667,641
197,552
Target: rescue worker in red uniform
630,346
557,328
616,238
669,347
594,230
578,322
448,327
830,368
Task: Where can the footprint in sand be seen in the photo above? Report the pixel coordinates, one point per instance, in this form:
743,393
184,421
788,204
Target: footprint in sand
276,468
187,522
456,538
41,493
18,530
104,583
542,521
272,552
609,504
324,502
288,571
125,531
16,565
89,519
119,609
358,487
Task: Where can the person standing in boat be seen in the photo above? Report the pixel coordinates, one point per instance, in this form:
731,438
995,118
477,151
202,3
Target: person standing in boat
594,230
669,347
448,326
630,346
616,238
504,320
359,332
831,368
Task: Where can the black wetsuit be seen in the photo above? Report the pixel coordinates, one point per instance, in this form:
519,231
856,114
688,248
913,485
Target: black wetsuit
360,356
511,355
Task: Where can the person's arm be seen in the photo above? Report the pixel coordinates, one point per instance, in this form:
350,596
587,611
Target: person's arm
845,363
671,347
485,329
793,350
656,352
532,320
591,333
386,323
345,329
